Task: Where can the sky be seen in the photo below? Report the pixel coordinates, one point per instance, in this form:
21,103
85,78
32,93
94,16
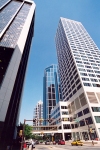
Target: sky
43,50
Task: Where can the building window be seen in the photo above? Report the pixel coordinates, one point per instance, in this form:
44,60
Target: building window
82,123
76,125
63,107
96,85
85,79
64,112
88,66
80,62
87,84
89,70
80,65
80,69
97,118
91,75
86,111
89,120
80,114
94,80
72,126
96,109
79,86
66,126
83,74
74,91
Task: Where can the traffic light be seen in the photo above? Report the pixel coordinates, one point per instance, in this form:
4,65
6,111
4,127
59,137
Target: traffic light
90,130
34,120
20,132
49,120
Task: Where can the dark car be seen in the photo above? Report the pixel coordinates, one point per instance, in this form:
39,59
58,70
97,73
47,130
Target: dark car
57,140
61,142
36,142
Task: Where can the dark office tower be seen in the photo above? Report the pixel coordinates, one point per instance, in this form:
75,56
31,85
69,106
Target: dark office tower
16,32
51,91
79,69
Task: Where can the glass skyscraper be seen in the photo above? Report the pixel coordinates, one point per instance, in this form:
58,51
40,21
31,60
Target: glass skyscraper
16,32
79,70
51,90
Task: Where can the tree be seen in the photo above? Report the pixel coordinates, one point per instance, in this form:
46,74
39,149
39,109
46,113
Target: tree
28,131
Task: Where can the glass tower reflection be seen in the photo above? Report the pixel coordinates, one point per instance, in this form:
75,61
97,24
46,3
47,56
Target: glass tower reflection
51,90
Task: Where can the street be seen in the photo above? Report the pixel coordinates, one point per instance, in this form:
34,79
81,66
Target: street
66,147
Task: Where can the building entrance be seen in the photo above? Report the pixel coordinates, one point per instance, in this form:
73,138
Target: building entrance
67,136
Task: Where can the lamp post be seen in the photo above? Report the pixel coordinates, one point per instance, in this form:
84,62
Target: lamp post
52,136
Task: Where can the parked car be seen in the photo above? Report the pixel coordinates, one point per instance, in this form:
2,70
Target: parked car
57,140
77,143
61,142
36,142
47,142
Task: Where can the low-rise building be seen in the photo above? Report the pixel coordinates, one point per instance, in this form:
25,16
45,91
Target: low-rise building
60,117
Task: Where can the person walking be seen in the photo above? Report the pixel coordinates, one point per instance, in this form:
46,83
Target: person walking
24,146
33,143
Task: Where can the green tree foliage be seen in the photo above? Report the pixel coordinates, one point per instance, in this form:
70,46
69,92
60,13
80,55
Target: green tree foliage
28,131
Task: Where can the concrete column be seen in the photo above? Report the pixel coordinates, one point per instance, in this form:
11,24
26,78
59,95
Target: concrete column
63,132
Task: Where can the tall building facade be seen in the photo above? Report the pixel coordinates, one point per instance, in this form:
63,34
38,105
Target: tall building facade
51,90
16,32
79,70
60,117
38,113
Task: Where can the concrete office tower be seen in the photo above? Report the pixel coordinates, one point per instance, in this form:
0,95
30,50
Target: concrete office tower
16,32
79,70
51,90
38,113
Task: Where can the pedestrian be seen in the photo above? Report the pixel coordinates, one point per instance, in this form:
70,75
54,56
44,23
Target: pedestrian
33,143
24,146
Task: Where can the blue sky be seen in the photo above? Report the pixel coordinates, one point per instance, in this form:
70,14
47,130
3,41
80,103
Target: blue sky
43,51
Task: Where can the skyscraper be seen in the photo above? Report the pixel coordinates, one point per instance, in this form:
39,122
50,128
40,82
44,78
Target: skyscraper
79,70
16,32
38,113
51,90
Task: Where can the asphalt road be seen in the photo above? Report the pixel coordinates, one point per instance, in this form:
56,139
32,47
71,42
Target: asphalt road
65,147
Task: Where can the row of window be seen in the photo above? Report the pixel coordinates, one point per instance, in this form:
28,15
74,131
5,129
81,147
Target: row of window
85,111
89,84
92,79
86,121
63,107
55,111
64,112
96,109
